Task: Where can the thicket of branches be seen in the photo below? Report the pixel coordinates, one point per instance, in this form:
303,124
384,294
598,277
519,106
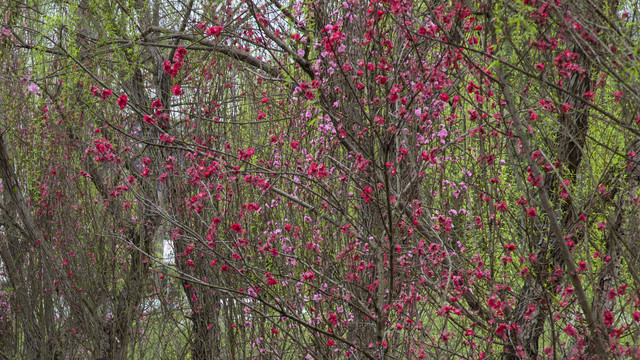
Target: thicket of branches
337,179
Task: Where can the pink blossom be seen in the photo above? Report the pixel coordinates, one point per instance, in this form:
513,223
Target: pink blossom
442,133
33,88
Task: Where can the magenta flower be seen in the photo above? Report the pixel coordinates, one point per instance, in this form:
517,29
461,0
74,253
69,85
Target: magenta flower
122,101
214,30
106,93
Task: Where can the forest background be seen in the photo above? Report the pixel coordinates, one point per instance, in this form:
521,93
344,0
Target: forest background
377,179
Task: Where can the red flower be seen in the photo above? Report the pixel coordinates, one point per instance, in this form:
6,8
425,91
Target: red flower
236,228
617,96
564,194
274,330
122,101
214,30
176,90
167,138
582,266
502,206
589,95
569,330
502,328
179,54
167,66
176,67
608,317
330,342
106,93
531,212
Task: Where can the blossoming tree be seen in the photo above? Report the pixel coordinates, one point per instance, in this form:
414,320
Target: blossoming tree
380,179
